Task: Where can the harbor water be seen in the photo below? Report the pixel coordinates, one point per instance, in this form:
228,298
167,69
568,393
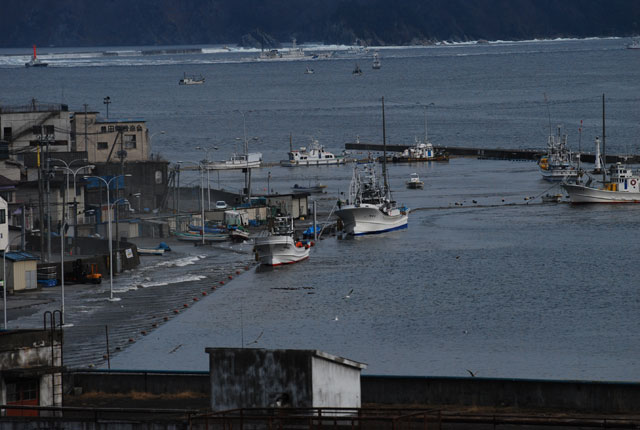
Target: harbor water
484,279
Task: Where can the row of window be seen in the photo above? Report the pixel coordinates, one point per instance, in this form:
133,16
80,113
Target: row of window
130,142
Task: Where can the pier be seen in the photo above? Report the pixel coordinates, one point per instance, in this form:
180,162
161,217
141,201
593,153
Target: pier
491,153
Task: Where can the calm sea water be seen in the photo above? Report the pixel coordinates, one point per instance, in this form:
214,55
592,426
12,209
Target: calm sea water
505,290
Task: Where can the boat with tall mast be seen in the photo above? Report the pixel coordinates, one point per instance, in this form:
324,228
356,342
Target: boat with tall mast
557,164
621,185
421,151
370,208
279,246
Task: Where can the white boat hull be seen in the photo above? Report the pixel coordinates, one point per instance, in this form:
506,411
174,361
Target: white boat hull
556,175
278,250
584,194
368,219
320,162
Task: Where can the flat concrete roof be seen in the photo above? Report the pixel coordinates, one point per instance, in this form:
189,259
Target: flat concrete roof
312,352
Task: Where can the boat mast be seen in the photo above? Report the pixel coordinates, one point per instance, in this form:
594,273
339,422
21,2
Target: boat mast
384,153
425,125
604,148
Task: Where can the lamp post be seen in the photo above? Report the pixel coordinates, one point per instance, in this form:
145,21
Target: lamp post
151,137
67,168
206,159
4,278
200,167
425,118
108,183
107,101
268,183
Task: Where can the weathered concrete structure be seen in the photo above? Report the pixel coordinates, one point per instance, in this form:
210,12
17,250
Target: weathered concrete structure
245,378
21,271
30,369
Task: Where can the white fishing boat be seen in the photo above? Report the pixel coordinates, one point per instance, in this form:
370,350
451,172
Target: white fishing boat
35,62
280,247
376,62
196,236
414,182
421,151
150,251
191,80
370,208
309,71
557,164
314,155
622,186
634,45
237,161
292,53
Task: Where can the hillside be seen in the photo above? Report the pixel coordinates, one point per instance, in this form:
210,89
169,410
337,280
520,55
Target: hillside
375,22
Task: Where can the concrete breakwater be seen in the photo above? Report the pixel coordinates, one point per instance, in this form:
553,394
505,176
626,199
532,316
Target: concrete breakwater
491,153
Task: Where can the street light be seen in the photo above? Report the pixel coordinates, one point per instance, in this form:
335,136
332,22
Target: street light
67,169
4,278
107,183
151,137
107,101
206,159
425,118
201,191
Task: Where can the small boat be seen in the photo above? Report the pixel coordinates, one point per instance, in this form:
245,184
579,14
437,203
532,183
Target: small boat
309,71
318,188
634,45
421,151
238,234
552,198
280,247
558,164
376,62
237,161
357,71
414,182
35,62
196,236
370,208
314,155
191,80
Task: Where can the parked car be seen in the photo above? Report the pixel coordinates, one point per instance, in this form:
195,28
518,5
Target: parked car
221,204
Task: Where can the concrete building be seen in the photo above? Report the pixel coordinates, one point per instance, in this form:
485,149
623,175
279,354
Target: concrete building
296,205
247,378
111,140
30,369
4,224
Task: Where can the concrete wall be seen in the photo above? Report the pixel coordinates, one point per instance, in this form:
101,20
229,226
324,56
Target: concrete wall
118,381
587,396
334,385
247,378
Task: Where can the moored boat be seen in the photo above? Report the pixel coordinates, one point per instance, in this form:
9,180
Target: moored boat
421,151
318,188
370,208
191,80
414,182
314,155
376,62
357,71
622,186
557,164
237,161
280,246
196,236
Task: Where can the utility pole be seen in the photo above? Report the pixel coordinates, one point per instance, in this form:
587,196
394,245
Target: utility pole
41,199
86,146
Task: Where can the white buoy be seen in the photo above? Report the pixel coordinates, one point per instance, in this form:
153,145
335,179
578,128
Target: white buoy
597,165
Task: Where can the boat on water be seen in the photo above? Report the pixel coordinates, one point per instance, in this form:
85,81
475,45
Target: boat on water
35,61
288,54
357,71
557,164
196,236
317,188
415,182
237,161
370,208
309,71
421,151
552,198
621,186
634,45
239,234
191,80
314,155
376,65
150,251
279,246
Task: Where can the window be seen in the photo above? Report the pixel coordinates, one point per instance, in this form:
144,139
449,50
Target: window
3,216
158,177
49,129
36,129
112,128
132,128
130,141
7,133
139,128
103,145
103,129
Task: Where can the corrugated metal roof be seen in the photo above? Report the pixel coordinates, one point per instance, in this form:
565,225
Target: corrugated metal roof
20,256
